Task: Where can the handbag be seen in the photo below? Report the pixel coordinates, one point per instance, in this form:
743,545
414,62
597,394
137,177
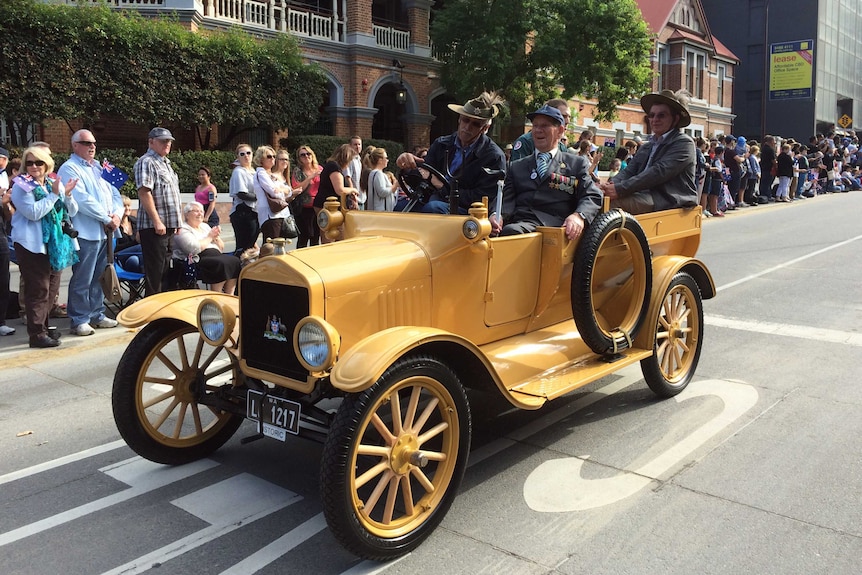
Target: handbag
108,280
773,171
275,204
289,229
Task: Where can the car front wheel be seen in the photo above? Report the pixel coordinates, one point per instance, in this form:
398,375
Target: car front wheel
394,458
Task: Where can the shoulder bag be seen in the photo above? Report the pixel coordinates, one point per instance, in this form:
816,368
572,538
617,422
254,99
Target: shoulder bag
275,204
108,280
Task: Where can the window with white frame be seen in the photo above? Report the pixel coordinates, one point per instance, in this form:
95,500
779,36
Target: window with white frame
695,65
719,85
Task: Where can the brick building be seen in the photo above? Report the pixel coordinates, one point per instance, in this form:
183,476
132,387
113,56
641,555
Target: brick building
376,54
686,56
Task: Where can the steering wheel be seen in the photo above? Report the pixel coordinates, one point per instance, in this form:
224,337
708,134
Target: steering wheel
419,188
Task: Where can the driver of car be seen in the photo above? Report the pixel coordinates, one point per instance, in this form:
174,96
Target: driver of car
468,152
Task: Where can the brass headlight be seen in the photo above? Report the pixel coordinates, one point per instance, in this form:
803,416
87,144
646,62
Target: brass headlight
215,321
316,343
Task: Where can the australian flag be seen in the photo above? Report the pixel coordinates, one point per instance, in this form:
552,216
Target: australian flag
25,181
113,175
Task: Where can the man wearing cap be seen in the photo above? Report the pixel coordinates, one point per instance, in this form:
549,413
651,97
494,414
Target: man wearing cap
661,174
524,145
159,216
550,187
468,151
100,208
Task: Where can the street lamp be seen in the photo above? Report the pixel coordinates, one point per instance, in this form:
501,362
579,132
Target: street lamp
401,93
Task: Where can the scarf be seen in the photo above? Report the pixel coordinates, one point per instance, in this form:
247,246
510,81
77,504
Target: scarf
60,247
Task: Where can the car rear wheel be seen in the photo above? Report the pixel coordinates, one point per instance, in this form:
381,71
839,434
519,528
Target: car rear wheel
678,339
394,458
611,282
157,391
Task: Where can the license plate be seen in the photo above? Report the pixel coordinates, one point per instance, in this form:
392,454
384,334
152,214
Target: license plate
277,416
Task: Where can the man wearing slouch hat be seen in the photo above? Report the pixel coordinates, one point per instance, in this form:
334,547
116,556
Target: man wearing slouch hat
468,151
661,174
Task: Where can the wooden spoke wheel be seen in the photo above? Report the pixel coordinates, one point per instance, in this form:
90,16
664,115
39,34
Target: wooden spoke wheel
395,457
157,389
678,339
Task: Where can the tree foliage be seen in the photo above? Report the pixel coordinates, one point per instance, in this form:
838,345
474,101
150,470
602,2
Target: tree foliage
89,61
532,50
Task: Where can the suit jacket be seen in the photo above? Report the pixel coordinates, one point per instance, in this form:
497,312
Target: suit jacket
473,182
566,188
670,176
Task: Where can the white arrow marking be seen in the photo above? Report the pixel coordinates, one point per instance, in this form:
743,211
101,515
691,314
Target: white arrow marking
226,506
141,475
557,486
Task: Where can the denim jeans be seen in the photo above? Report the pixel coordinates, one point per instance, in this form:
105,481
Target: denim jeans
86,301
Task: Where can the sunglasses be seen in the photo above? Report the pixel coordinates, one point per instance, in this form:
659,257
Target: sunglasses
244,153
39,163
305,154
85,143
282,159
472,122
269,157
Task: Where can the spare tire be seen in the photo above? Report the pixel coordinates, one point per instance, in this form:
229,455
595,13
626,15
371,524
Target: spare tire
611,282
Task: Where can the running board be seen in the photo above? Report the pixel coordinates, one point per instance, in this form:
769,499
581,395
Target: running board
580,372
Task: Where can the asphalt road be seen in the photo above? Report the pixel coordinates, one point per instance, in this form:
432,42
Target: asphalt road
755,468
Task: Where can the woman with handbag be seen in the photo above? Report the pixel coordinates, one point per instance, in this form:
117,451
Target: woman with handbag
41,207
306,178
381,192
273,196
197,242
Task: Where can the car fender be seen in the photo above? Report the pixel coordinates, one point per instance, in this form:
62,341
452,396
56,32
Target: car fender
363,364
664,268
181,305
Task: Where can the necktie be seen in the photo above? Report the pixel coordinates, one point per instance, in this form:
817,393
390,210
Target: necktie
542,164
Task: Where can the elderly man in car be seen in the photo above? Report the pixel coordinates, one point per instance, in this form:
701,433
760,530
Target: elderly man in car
661,174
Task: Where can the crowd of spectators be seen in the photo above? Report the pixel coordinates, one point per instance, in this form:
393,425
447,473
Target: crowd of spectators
733,173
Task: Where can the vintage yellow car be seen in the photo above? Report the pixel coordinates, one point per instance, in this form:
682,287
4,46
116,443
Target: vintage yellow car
367,345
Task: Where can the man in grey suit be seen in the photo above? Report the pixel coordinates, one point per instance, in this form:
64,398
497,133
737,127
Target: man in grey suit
550,187
661,174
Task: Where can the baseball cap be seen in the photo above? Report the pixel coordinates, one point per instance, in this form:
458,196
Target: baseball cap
4,153
550,112
160,134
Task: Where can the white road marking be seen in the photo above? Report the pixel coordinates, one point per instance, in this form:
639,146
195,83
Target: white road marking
786,264
630,375
263,557
557,486
226,506
59,462
141,475
787,330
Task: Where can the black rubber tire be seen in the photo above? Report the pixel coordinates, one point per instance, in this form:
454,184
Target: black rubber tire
610,299
356,517
163,345
679,338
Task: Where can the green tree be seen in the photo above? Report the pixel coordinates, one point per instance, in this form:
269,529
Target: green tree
91,61
532,50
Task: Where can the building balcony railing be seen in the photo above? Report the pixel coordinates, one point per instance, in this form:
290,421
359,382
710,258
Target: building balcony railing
273,15
392,38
